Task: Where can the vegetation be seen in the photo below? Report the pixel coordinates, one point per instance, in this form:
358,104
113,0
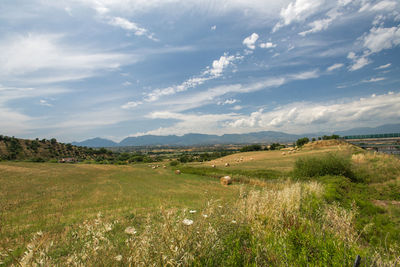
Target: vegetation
329,164
255,147
320,206
302,141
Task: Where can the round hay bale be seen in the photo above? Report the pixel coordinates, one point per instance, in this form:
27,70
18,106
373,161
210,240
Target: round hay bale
177,172
213,166
283,153
164,166
227,164
226,180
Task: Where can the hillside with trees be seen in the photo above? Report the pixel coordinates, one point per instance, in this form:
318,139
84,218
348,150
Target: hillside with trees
12,148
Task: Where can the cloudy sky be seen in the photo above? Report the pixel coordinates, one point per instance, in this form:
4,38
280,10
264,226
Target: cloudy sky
77,69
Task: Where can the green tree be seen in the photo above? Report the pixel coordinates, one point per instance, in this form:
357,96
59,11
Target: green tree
302,141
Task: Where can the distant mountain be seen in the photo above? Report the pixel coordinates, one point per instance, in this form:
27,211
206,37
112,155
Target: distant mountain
206,139
96,142
387,128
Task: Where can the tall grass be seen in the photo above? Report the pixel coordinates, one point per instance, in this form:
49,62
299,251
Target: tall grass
328,164
291,226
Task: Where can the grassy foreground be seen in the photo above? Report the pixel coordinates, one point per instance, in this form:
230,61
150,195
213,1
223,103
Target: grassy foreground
321,206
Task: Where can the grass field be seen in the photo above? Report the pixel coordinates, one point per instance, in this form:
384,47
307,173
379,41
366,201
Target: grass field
107,215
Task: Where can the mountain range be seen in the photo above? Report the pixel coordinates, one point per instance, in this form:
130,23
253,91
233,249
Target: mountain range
248,138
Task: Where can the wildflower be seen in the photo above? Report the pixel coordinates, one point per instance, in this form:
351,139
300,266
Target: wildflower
233,221
187,222
118,257
40,233
130,230
205,215
192,211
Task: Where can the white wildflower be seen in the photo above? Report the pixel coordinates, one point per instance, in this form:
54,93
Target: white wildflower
205,215
130,230
40,233
187,222
192,211
118,257
233,221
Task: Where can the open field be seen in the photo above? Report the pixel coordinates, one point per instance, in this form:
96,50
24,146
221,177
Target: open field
322,205
275,160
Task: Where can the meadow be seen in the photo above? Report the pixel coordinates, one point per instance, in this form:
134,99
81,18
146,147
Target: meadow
279,211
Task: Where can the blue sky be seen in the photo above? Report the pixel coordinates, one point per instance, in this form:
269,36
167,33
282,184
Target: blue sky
79,69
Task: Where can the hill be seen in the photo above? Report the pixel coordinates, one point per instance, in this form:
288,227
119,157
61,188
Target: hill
12,148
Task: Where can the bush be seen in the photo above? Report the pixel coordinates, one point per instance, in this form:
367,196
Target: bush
330,164
174,163
251,148
302,141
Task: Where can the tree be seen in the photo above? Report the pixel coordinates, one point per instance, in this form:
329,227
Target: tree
302,141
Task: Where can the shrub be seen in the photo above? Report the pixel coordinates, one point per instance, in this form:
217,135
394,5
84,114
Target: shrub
330,164
302,141
174,163
251,148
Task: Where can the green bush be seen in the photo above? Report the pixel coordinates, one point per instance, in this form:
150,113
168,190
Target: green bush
174,163
330,164
302,141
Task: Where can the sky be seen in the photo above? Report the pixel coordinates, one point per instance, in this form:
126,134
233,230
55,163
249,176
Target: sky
79,69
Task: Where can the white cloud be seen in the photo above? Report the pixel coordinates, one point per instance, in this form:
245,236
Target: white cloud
385,5
380,38
190,123
208,96
250,41
384,66
298,117
344,2
268,45
13,121
132,27
298,10
374,80
358,61
126,83
214,27
306,117
228,102
131,105
322,24
45,58
254,9
213,72
45,103
237,107
335,67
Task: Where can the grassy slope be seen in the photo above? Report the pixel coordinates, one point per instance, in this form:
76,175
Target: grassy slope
45,196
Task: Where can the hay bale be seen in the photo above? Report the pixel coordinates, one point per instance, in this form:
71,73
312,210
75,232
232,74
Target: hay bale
227,164
213,166
177,172
164,166
226,180
283,153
